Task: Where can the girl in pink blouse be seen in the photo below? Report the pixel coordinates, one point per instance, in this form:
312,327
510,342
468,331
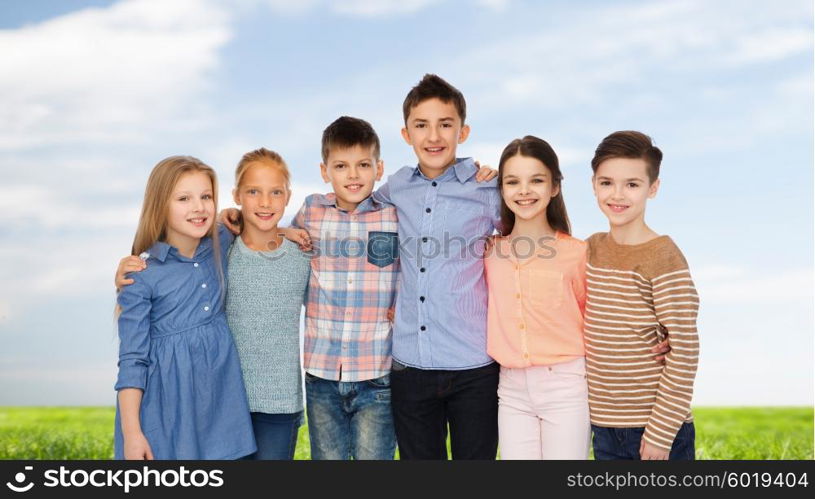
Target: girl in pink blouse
536,278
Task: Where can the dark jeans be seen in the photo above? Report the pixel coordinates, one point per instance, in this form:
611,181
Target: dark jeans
276,435
425,401
624,443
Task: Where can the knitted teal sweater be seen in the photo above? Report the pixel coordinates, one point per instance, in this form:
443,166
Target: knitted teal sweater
264,297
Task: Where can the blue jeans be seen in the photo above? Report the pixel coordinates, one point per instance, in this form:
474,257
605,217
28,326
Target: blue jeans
276,435
426,401
624,443
350,419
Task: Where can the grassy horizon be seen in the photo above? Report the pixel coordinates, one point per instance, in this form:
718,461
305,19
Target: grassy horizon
740,433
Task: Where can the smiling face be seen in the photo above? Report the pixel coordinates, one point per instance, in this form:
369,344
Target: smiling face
622,189
434,130
263,194
527,187
352,172
190,211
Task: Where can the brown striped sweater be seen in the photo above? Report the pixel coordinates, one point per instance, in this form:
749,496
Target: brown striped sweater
635,294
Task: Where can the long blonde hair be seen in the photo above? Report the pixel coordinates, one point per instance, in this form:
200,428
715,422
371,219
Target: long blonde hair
153,220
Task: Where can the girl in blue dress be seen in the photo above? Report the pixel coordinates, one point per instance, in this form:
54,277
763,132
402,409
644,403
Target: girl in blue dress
180,390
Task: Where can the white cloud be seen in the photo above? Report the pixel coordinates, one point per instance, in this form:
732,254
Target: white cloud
497,5
732,285
378,8
772,44
47,207
115,74
351,8
582,60
287,7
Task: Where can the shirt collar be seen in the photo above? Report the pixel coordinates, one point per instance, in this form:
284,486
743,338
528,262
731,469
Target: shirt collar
463,169
159,250
367,204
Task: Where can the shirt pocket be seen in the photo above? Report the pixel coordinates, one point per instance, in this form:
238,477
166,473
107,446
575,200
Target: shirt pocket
383,248
545,288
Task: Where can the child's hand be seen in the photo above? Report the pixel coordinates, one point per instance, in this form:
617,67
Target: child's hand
485,173
662,348
299,236
232,220
391,314
127,264
137,448
650,453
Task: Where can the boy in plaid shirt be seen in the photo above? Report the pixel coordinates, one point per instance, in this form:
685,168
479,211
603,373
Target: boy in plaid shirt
354,270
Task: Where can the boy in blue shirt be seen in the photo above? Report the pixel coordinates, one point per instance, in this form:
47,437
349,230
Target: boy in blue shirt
441,373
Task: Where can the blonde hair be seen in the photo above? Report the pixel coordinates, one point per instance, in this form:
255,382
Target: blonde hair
160,185
266,157
153,220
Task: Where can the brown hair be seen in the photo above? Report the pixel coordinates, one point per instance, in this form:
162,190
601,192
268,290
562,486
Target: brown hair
629,144
434,87
266,157
346,132
533,147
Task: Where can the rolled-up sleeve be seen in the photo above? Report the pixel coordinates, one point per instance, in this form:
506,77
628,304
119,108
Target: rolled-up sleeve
134,335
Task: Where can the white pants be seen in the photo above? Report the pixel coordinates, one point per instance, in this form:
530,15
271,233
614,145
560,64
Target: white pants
543,412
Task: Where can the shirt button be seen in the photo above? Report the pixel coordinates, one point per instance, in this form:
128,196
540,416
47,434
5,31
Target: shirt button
423,328
427,210
434,184
421,298
195,264
526,355
424,239
349,281
517,267
206,308
518,296
204,285
521,326
422,269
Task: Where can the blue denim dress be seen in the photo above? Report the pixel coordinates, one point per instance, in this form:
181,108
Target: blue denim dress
175,345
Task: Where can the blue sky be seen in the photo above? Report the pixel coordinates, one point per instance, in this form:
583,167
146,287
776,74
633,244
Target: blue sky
94,93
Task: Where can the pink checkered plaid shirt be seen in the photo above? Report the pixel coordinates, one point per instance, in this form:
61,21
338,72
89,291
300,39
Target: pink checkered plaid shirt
353,283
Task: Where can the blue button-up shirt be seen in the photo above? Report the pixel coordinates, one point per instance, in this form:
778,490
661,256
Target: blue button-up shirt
441,304
176,347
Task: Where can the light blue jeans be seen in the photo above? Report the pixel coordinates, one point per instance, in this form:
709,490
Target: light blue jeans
350,419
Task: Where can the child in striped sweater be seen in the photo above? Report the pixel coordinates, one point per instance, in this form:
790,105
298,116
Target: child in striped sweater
639,289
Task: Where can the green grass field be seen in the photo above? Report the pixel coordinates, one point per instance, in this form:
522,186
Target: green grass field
721,433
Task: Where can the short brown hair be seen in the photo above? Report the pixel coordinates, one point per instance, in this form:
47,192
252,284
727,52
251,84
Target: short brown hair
434,87
262,155
629,144
346,132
